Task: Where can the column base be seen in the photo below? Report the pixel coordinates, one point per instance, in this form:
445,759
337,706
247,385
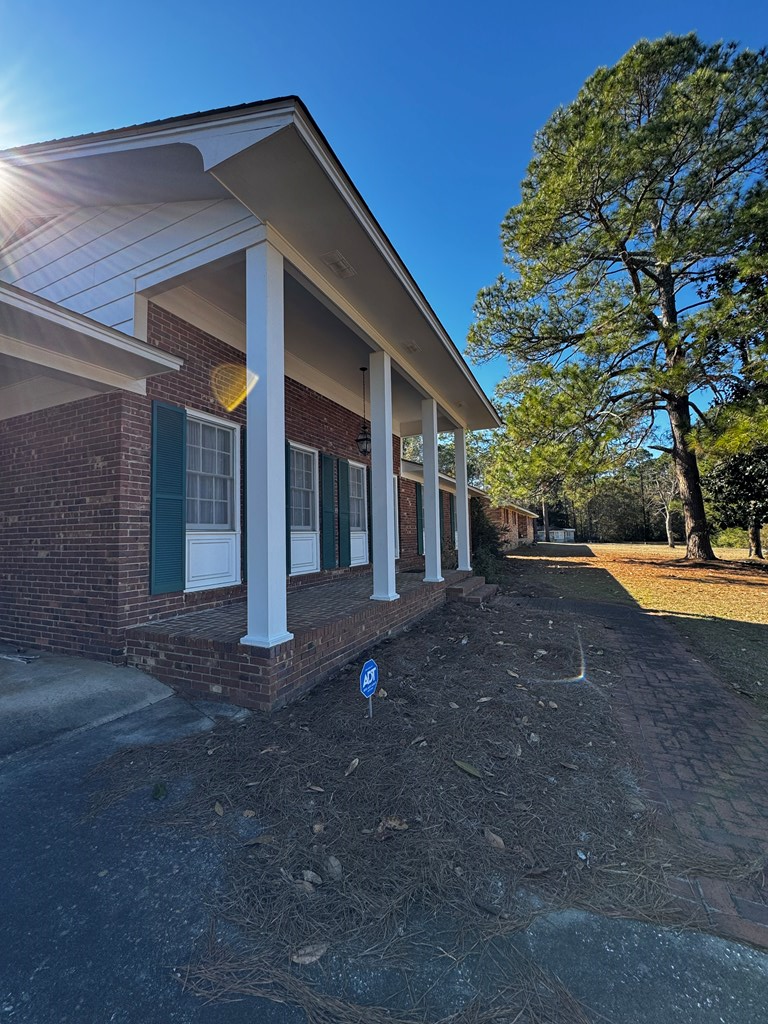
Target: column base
385,597
266,641
464,568
434,579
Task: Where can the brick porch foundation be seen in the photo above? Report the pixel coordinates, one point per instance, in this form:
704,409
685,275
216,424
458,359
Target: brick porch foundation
199,652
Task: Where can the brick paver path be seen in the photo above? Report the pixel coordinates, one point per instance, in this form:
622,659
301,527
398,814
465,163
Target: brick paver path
705,754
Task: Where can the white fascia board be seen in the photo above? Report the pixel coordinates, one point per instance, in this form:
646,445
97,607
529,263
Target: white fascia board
216,139
70,364
340,181
63,318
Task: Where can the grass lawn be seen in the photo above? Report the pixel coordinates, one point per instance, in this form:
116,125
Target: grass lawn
720,608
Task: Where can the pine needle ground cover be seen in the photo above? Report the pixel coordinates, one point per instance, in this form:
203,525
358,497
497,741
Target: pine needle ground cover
376,869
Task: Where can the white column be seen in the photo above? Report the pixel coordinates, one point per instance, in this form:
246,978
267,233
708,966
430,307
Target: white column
265,448
462,498
382,468
432,557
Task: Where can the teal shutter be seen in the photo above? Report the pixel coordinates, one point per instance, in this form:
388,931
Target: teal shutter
452,516
419,519
168,511
288,507
345,547
328,550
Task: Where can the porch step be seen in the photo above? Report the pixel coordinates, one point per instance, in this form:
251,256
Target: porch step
481,595
465,587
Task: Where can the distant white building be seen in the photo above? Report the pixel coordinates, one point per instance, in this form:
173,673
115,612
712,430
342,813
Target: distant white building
564,536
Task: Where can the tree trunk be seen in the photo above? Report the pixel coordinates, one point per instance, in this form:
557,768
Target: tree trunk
755,543
698,545
668,525
545,517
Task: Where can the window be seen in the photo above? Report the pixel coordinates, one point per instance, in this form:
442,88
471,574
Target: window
210,476
303,491
358,515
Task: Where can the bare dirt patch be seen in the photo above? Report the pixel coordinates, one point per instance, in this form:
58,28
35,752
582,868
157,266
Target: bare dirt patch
492,784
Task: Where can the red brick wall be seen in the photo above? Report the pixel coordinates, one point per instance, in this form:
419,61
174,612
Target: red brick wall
75,500
60,528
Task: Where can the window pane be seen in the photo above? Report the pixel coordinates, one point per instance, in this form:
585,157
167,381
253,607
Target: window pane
209,461
210,476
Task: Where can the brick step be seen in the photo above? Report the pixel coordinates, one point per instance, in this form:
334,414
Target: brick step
464,587
481,595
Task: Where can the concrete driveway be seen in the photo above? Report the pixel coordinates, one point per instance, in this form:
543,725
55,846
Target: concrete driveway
97,912
43,696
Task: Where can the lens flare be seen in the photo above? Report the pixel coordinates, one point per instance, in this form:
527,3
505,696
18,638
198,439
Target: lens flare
231,384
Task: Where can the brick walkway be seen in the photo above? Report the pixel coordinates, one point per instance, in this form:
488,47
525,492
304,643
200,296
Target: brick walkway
705,755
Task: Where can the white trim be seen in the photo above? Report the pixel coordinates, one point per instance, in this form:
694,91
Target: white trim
219,537
65,318
312,551
396,518
358,539
71,364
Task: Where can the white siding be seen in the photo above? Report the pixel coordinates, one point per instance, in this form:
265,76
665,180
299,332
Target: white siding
88,259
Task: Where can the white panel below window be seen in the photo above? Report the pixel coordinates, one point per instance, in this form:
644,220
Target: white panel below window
358,546
305,553
213,560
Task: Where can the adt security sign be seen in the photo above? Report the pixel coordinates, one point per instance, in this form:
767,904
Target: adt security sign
369,680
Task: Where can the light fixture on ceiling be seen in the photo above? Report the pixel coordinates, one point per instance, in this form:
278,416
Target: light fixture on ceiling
363,439
338,263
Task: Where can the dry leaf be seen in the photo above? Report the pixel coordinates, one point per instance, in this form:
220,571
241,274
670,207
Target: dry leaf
218,809
468,768
248,813
260,841
309,954
534,737
452,705
540,653
483,700
493,840
417,740
567,764
304,886
333,868
312,876
518,750
318,828
352,765
381,693
270,750
552,704
515,675
315,789
398,824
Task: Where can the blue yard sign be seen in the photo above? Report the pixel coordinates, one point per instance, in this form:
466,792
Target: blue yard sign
369,680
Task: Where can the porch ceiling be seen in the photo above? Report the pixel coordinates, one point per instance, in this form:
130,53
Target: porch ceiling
323,350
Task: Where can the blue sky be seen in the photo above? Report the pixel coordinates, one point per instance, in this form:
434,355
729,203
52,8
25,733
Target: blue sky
431,108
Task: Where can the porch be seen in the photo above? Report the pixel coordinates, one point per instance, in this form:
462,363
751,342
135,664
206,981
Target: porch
200,652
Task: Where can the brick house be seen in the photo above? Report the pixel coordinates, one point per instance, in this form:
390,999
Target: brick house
515,523
191,480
